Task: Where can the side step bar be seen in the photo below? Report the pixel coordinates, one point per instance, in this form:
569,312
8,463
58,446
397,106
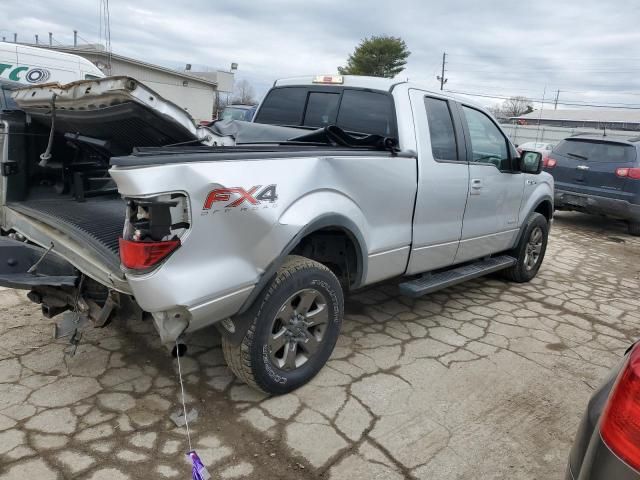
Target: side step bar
431,282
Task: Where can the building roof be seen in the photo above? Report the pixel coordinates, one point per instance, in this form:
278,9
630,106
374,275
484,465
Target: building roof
600,115
94,51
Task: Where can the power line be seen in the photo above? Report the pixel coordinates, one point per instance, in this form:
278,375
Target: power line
566,103
508,57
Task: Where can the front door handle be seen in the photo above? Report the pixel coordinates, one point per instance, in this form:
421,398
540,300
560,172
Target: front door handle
476,184
582,167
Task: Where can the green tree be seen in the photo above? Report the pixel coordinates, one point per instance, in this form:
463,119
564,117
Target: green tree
378,56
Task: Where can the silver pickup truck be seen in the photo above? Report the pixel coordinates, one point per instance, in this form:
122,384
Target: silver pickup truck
114,203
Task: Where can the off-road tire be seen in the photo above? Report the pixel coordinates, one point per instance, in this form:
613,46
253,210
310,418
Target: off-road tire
249,360
634,229
519,272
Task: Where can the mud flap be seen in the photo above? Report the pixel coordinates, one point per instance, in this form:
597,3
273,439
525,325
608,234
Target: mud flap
25,266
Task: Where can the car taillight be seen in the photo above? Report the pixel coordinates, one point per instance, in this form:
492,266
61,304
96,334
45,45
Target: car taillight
153,229
548,162
144,255
626,172
620,425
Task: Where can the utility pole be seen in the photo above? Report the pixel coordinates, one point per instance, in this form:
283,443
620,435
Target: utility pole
36,39
50,39
75,38
441,77
15,38
555,103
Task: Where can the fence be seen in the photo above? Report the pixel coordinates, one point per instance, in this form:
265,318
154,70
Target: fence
546,134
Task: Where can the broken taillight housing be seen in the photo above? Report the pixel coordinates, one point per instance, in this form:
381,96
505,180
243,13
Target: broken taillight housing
144,255
152,230
620,424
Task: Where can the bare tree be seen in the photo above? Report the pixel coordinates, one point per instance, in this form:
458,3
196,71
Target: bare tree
496,111
516,106
244,93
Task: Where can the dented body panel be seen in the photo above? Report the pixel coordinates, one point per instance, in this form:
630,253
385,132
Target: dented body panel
228,248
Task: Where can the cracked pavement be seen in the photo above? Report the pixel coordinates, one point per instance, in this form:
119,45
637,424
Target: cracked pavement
487,379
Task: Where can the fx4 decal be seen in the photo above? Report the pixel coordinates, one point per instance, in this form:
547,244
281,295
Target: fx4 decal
238,196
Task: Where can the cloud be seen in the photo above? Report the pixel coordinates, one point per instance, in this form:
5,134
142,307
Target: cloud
494,47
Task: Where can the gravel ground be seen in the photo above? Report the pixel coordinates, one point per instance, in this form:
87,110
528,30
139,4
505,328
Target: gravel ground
483,380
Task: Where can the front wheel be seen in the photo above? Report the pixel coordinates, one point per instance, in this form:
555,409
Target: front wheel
530,250
294,326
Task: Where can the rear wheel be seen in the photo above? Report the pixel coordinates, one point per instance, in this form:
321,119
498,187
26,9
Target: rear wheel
294,327
530,250
634,229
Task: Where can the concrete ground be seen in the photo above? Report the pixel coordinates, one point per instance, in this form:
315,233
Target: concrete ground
484,380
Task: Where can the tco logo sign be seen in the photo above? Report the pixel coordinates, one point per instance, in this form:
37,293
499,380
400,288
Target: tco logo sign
18,74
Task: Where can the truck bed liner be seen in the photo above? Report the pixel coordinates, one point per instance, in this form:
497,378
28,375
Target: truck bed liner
99,221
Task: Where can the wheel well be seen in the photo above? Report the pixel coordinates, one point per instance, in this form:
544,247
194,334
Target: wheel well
545,209
337,249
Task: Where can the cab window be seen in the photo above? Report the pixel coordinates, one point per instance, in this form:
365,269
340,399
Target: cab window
441,131
488,144
354,110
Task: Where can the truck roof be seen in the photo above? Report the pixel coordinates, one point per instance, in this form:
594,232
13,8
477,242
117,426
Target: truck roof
358,81
375,83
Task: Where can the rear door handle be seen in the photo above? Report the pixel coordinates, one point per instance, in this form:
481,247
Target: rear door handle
582,167
476,183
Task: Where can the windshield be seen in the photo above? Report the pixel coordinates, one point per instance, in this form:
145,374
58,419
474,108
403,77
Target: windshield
231,113
354,110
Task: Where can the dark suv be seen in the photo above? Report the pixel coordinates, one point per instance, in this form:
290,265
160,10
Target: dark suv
598,174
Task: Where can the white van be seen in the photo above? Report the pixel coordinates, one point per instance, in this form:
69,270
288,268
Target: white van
32,65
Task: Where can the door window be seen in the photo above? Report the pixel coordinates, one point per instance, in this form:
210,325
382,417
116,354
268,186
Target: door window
441,131
488,144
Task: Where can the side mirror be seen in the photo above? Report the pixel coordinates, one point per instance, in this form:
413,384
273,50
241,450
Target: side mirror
530,162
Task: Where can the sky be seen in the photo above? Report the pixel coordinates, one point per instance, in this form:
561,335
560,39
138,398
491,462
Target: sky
495,48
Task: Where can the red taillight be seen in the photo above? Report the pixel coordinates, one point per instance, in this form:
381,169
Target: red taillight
625,172
620,425
548,162
143,255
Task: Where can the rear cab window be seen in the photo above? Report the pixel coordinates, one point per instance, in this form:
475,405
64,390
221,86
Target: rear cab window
354,110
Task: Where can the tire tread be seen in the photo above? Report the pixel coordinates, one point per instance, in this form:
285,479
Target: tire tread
238,357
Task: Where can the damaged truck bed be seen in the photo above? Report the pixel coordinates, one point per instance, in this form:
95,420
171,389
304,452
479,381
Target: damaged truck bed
56,142
56,189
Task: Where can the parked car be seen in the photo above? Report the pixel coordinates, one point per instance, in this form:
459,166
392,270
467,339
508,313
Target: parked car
262,238
598,175
239,112
607,445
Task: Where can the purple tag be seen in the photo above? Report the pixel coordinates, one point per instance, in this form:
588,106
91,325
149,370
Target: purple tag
199,471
